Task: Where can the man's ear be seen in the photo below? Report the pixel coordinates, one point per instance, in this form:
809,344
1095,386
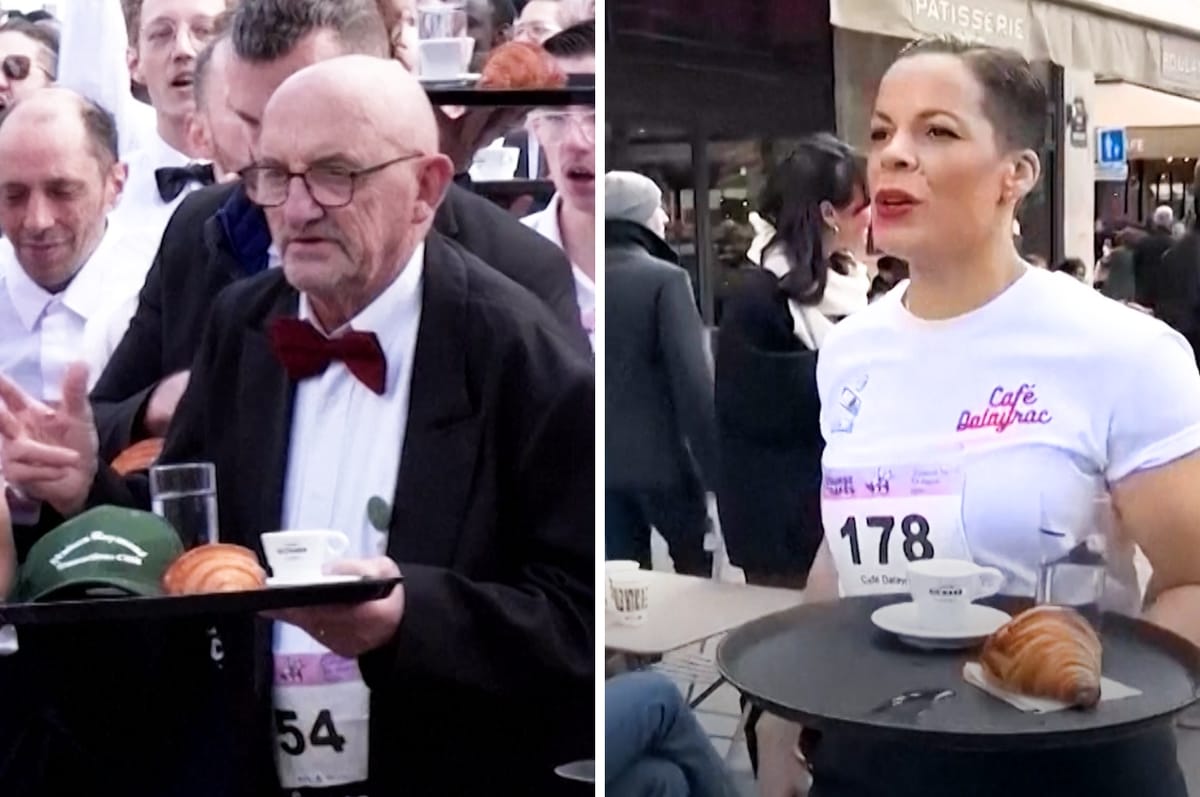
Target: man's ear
134,62
432,182
114,185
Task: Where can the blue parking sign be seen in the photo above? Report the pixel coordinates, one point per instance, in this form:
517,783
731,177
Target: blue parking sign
1110,146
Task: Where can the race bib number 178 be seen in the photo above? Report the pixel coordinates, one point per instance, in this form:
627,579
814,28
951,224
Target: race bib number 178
879,519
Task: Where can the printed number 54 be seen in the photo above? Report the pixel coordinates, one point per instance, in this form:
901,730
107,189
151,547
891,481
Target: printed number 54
914,527
291,737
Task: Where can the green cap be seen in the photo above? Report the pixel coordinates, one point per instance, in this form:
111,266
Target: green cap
105,551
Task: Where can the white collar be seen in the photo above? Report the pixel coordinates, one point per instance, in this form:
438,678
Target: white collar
161,154
386,314
84,295
546,222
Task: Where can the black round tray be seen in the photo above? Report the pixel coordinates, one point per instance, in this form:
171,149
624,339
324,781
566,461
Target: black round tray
828,667
441,94
172,606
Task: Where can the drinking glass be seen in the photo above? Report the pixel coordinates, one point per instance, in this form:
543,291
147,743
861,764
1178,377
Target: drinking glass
441,19
1074,563
185,496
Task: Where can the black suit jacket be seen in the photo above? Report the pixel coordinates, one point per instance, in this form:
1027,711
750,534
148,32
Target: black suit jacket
768,417
1147,267
489,682
197,258
658,392
1179,297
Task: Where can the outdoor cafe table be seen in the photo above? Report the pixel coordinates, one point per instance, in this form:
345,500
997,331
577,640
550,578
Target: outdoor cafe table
685,610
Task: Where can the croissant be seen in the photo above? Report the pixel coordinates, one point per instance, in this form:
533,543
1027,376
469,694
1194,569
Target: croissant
1046,651
138,457
218,567
521,65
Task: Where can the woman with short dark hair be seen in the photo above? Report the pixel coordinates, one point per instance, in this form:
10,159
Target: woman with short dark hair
1045,398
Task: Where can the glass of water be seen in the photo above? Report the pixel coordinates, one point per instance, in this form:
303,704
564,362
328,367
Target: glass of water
186,497
441,19
1074,563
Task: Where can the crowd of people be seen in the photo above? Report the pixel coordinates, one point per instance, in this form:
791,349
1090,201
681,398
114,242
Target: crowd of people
239,229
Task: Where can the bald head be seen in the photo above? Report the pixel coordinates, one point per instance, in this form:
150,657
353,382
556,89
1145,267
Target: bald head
362,133
377,95
59,178
54,107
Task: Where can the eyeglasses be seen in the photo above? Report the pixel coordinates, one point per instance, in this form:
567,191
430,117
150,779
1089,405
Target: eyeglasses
536,29
555,124
18,67
329,186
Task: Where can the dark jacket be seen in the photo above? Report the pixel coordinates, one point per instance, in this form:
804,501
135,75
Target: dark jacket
1179,300
1147,267
489,683
1120,283
768,412
659,422
217,236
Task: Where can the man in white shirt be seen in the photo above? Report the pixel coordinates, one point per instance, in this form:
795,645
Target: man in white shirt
568,142
64,271
164,37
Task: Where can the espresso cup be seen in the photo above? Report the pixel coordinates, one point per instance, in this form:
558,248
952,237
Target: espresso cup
612,566
495,163
943,589
301,556
445,59
631,595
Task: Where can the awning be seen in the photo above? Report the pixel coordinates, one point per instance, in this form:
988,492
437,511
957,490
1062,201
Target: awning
1073,37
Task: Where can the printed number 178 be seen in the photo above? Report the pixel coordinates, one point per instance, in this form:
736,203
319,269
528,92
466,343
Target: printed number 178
914,527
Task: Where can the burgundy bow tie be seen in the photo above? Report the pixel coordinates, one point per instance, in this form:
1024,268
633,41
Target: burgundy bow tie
305,352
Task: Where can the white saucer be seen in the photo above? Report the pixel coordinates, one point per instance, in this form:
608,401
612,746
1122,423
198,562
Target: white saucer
312,582
901,619
465,77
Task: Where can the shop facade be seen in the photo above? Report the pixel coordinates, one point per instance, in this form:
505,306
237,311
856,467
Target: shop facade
706,95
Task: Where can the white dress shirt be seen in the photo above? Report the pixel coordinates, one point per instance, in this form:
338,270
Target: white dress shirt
546,223
92,62
344,450
141,205
42,333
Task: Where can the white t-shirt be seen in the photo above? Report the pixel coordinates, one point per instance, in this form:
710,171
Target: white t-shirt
1041,399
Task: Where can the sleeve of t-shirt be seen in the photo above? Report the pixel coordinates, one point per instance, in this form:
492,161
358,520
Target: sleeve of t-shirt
1156,417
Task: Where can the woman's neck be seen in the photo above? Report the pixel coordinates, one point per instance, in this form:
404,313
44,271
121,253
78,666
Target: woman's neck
578,228
962,283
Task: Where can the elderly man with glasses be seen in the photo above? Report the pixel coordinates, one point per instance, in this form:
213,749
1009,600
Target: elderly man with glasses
567,137
382,365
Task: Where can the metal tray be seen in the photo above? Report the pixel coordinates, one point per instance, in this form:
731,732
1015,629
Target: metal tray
159,608
828,667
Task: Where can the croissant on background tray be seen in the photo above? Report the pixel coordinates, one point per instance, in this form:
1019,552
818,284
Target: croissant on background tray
219,567
1046,651
521,65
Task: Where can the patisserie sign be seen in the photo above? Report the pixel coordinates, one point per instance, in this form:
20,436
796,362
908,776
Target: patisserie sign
1006,408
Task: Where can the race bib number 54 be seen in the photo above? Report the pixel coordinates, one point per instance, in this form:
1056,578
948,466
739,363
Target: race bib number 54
879,519
322,713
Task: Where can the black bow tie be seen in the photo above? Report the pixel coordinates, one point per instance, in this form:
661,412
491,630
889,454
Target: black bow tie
172,180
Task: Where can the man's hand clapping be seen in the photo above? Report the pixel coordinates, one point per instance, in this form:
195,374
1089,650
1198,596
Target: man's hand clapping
50,452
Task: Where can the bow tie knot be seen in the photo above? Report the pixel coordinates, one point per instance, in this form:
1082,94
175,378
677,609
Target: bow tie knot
172,180
305,352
